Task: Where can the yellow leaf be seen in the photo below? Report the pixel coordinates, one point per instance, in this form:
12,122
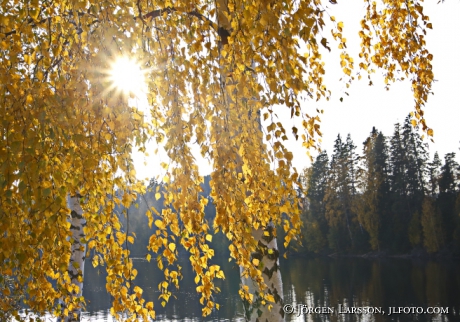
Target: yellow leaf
269,298
33,12
95,261
29,99
255,262
159,224
209,238
27,59
172,247
340,26
284,209
157,196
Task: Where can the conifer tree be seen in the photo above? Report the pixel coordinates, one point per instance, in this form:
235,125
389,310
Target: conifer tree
416,162
431,222
398,163
399,206
433,170
449,173
371,207
448,189
416,152
316,227
352,160
339,197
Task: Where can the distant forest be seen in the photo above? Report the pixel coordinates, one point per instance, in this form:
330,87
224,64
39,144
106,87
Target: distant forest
389,198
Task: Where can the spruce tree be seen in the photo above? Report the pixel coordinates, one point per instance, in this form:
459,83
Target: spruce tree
416,167
431,222
416,162
371,208
352,160
449,173
316,227
399,210
339,197
434,169
447,196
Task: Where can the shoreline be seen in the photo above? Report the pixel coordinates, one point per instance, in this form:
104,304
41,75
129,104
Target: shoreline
422,255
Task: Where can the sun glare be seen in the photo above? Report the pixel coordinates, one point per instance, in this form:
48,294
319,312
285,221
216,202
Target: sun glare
127,76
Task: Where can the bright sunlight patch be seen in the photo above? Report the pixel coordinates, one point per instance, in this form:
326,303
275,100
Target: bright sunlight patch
127,76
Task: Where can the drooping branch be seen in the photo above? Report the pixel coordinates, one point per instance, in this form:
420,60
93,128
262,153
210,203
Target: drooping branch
33,23
222,32
159,12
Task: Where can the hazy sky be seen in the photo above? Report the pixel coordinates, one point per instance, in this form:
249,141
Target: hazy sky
368,106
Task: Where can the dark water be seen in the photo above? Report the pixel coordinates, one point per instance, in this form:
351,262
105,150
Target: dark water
321,283
380,284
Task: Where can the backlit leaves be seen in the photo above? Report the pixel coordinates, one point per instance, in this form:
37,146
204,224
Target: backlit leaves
393,38
211,68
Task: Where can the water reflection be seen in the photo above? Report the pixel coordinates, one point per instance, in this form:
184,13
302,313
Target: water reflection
339,284
184,306
347,283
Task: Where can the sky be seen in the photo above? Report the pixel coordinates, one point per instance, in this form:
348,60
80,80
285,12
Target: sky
368,106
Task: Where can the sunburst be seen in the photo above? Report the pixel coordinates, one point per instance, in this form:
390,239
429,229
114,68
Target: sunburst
127,76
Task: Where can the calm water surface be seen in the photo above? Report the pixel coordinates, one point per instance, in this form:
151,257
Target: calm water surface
327,283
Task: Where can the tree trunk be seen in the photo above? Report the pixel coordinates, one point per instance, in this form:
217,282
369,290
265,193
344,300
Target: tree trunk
78,251
268,255
267,252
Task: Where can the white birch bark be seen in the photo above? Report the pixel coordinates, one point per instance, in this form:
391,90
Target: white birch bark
269,256
256,312
78,251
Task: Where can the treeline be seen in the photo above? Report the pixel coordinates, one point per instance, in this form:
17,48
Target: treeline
391,197
133,220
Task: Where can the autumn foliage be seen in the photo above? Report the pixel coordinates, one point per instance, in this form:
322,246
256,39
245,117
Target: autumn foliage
212,69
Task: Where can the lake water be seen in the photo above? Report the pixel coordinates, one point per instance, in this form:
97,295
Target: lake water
335,286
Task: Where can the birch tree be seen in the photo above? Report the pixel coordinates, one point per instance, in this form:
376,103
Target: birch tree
210,67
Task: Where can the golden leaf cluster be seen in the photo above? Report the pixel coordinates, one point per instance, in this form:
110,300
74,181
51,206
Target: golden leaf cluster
211,68
393,39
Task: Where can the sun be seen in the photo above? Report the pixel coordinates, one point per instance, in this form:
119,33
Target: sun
127,76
